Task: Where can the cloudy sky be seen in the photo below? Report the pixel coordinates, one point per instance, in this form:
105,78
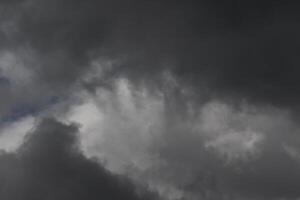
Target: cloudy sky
149,100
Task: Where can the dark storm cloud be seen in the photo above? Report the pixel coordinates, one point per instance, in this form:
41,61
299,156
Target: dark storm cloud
49,165
232,49
242,49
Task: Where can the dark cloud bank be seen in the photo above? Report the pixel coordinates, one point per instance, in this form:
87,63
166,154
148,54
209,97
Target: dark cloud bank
229,50
243,49
49,165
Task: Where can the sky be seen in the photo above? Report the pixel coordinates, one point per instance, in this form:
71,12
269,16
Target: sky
149,100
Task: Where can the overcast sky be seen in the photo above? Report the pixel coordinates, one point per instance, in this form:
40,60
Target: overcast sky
149,100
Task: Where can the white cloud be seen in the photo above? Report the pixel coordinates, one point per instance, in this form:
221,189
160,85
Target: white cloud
130,130
229,131
236,145
119,126
11,135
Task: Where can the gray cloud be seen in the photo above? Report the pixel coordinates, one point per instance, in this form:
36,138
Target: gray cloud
220,151
178,59
232,50
49,165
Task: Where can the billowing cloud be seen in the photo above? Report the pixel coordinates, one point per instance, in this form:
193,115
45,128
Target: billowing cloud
193,99
49,165
203,153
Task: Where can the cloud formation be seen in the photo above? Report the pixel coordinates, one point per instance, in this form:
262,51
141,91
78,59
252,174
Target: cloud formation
244,50
194,99
222,151
49,165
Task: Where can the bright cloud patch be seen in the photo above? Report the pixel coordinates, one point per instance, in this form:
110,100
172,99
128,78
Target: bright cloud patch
231,133
12,134
119,126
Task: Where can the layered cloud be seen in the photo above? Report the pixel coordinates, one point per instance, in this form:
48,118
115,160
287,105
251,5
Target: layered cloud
192,100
